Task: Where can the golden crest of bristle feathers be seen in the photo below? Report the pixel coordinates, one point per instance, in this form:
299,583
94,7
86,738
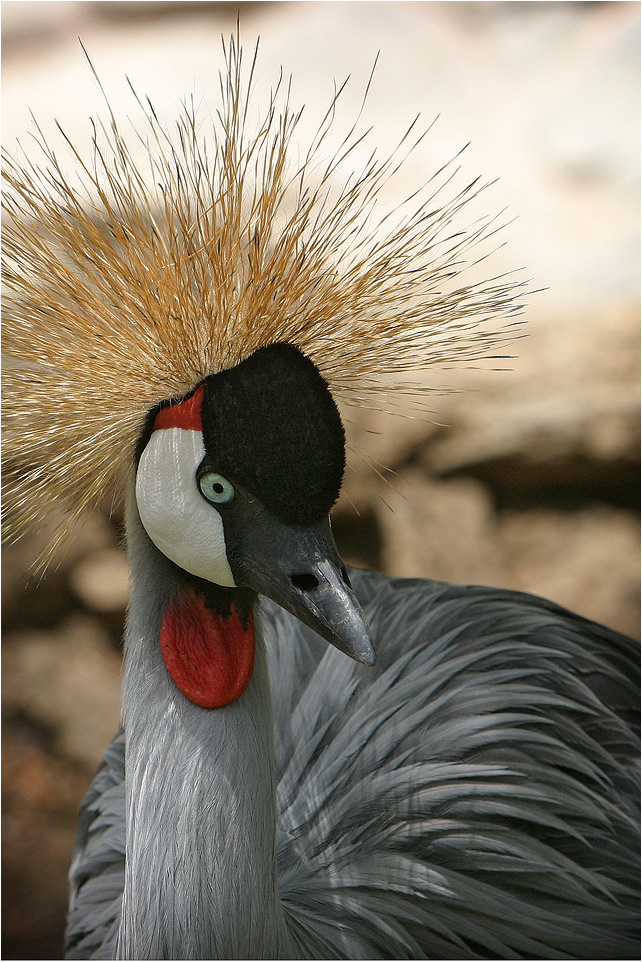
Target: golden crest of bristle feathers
128,284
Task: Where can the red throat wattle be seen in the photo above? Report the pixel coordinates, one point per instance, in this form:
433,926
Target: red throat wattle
210,657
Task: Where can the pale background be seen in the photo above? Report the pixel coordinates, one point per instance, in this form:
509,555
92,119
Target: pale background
526,478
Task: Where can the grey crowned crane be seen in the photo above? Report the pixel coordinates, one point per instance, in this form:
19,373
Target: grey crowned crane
187,328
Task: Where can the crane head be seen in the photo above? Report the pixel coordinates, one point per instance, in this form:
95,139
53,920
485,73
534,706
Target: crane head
235,483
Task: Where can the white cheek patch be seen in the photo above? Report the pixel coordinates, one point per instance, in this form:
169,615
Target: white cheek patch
176,517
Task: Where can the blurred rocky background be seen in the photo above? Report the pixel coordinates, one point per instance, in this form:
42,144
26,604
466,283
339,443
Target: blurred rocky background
525,478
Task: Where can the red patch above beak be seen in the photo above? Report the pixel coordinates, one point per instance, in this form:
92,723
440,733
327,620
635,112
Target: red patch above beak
185,415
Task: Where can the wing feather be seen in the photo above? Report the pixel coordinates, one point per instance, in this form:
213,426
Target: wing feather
475,796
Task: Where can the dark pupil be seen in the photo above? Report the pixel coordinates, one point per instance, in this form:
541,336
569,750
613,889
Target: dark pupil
218,487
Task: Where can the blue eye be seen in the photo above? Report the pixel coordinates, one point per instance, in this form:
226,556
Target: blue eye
215,488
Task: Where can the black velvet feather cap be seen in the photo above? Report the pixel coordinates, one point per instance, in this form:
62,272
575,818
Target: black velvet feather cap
271,425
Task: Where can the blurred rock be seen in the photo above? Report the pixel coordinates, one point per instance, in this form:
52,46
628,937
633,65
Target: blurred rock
568,395
587,560
101,580
40,22
441,530
377,444
68,682
28,598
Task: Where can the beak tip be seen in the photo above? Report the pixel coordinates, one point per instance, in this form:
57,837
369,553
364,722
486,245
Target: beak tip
369,659
360,649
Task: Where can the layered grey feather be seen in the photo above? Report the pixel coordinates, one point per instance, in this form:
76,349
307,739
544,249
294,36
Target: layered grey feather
473,796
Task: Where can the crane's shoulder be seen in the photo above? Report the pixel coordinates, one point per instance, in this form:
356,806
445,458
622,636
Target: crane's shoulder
474,795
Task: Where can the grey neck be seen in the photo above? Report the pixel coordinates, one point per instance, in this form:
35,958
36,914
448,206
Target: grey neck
200,876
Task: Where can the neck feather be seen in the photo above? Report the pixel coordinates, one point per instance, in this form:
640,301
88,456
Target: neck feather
200,877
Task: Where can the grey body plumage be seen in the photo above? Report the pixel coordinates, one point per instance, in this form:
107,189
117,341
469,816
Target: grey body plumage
475,795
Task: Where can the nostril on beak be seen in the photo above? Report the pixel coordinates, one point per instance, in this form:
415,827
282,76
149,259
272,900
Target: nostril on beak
305,582
344,575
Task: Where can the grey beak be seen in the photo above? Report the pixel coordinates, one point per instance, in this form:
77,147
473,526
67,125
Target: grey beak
299,568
